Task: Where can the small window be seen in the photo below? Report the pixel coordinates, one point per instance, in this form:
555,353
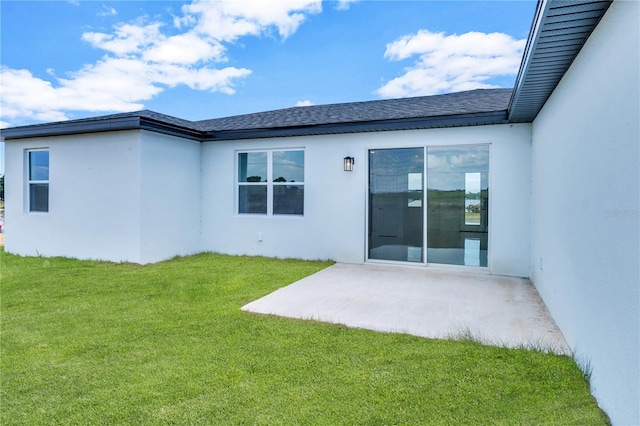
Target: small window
38,180
252,180
271,182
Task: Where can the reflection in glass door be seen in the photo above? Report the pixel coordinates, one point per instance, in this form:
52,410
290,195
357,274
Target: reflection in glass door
455,210
458,205
396,204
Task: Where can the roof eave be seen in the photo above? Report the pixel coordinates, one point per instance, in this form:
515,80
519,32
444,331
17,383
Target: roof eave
64,128
534,84
532,40
171,130
461,120
143,123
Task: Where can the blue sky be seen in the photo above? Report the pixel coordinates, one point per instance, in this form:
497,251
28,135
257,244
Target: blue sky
197,59
203,59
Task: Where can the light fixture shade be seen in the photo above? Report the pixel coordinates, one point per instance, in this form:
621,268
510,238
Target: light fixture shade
348,164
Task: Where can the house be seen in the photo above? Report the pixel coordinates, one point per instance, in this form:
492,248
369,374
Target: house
539,181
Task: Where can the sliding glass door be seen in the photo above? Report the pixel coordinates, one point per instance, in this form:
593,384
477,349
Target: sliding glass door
396,204
455,210
458,205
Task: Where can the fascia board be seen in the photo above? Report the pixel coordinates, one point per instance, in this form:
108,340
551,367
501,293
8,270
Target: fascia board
532,41
71,128
98,126
495,117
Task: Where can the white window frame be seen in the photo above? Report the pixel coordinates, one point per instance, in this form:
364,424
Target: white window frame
270,184
426,263
29,181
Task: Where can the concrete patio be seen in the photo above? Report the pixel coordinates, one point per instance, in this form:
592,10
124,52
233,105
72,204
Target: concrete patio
498,310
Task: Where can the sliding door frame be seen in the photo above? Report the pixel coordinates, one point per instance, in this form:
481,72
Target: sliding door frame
425,259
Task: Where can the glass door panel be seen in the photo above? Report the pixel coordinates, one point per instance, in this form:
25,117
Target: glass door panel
396,204
458,205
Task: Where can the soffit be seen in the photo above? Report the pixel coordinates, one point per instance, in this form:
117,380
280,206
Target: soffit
559,30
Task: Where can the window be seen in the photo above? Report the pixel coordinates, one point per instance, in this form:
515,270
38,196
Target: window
252,182
38,180
271,182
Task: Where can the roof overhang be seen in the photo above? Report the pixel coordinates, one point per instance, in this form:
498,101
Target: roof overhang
460,120
135,122
63,128
559,30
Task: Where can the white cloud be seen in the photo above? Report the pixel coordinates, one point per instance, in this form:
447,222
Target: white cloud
185,49
112,84
29,98
451,63
212,79
344,4
304,103
145,58
228,20
127,38
23,95
107,11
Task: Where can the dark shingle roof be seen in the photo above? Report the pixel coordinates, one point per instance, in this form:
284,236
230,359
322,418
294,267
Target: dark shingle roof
452,104
475,107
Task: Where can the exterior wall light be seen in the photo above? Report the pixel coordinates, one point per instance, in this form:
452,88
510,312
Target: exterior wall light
348,164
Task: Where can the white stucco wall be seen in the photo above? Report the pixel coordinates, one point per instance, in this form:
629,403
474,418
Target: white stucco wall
94,198
120,196
585,220
170,197
333,226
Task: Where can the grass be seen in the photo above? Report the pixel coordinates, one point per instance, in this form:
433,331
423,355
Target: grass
471,218
101,343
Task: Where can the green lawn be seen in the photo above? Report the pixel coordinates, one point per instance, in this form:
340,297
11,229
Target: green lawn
102,343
